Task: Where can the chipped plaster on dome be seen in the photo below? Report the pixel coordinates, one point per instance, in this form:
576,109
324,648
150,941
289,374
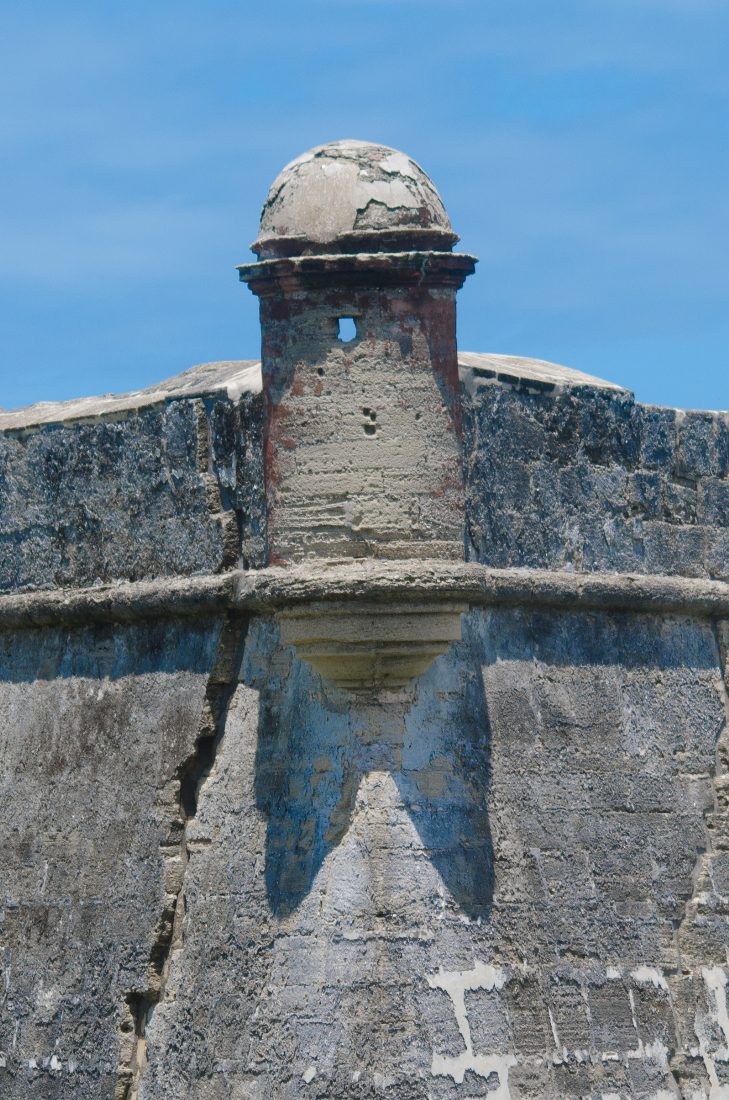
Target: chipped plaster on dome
349,187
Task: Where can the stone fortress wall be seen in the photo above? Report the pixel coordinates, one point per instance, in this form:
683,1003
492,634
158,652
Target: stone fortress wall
226,875
582,477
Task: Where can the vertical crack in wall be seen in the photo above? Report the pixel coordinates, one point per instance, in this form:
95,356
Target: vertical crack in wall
703,950
139,1005
230,462
220,510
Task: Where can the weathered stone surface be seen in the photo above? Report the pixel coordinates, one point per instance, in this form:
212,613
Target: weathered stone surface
96,729
363,457
492,881
538,375
95,492
171,487
347,189
230,377
361,436
366,645
581,477
478,880
433,584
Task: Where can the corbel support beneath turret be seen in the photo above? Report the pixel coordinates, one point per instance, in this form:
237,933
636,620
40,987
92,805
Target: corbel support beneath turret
363,645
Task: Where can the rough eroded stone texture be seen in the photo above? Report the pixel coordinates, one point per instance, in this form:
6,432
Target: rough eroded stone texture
580,477
561,474
363,457
96,727
470,889
117,489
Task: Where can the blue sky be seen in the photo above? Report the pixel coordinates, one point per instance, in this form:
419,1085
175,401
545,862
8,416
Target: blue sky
581,147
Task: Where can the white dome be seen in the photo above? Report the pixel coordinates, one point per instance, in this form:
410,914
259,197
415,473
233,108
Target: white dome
348,193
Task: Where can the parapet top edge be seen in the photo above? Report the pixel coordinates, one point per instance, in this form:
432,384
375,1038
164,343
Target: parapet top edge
238,376
235,377
232,376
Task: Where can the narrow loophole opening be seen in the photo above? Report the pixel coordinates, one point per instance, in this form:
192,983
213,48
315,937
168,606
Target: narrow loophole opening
347,329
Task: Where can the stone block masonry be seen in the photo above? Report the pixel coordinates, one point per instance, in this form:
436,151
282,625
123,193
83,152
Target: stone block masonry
364,456
581,477
265,835
165,482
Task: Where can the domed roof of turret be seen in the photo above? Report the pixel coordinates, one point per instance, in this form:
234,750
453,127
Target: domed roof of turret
352,196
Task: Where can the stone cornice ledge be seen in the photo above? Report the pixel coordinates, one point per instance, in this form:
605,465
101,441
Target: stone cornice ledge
269,590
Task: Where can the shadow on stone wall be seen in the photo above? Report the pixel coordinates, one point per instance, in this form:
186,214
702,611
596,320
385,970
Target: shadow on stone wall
106,651
316,744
